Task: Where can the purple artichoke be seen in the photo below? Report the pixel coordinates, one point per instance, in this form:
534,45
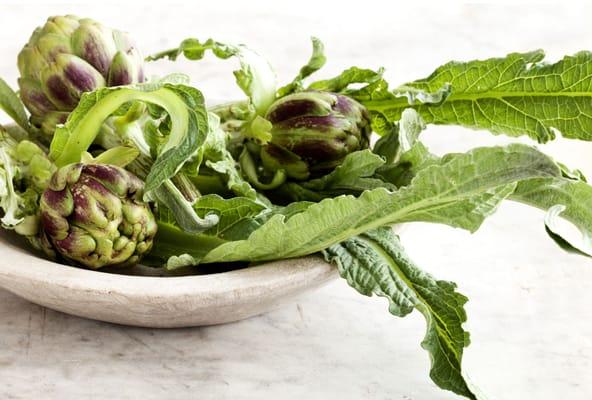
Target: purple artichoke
93,214
313,131
67,57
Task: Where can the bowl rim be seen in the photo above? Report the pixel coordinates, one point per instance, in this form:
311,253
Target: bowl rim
40,271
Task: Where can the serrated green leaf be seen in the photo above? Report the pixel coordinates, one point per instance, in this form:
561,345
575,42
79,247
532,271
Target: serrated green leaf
360,163
515,95
355,174
194,49
460,190
237,215
375,263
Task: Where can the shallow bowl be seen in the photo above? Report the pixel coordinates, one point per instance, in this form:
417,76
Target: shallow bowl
156,301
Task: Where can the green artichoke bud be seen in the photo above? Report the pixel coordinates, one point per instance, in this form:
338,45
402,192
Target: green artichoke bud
94,215
35,165
67,57
312,132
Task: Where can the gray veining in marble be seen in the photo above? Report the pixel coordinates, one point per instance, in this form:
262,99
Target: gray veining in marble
529,311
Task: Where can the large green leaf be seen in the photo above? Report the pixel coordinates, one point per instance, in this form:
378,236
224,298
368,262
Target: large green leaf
514,95
461,190
375,263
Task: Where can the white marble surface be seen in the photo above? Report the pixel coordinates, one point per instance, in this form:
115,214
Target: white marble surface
530,310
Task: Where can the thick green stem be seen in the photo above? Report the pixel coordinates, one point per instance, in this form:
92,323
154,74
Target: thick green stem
186,187
89,126
172,240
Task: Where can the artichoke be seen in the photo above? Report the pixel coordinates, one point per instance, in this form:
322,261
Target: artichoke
312,132
67,57
94,216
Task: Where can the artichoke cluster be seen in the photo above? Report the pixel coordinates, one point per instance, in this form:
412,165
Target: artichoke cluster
93,215
313,131
67,57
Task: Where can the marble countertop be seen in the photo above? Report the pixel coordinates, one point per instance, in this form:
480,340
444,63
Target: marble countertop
529,312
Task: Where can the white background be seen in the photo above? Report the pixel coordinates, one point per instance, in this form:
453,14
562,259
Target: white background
529,309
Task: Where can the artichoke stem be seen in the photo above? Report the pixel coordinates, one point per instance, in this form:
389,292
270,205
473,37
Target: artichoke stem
186,187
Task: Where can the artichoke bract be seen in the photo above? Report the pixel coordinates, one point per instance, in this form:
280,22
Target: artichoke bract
313,131
67,57
93,214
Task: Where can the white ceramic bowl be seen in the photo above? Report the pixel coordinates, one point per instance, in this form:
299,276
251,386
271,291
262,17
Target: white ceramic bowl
156,301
